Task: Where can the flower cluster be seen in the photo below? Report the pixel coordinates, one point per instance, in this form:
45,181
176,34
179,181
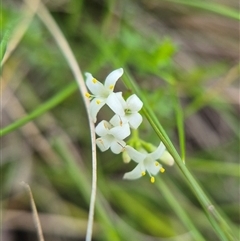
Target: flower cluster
126,117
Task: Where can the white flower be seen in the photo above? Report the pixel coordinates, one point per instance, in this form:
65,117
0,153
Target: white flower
146,163
127,111
111,136
101,93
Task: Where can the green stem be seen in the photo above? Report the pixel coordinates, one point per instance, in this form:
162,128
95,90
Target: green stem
57,99
180,124
135,134
174,203
218,223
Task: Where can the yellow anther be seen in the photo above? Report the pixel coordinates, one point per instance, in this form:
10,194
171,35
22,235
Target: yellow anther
120,121
152,179
143,173
87,95
98,102
94,80
111,87
156,164
162,170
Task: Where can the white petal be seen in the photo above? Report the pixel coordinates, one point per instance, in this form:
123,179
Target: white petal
134,103
114,103
135,120
94,86
103,143
102,129
135,173
153,167
167,158
95,105
121,99
112,78
116,120
117,146
158,152
134,154
120,132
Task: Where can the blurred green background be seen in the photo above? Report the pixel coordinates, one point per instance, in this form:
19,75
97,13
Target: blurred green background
184,55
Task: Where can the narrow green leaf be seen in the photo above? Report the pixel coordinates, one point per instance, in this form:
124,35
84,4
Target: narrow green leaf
218,223
211,7
180,125
54,101
181,213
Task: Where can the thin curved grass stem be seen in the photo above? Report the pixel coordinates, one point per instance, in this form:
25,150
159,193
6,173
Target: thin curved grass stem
35,213
57,34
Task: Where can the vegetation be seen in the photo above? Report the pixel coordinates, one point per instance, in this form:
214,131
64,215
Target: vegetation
180,58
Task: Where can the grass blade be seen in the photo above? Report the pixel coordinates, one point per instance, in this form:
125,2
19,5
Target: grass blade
180,126
218,223
179,210
210,7
48,105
